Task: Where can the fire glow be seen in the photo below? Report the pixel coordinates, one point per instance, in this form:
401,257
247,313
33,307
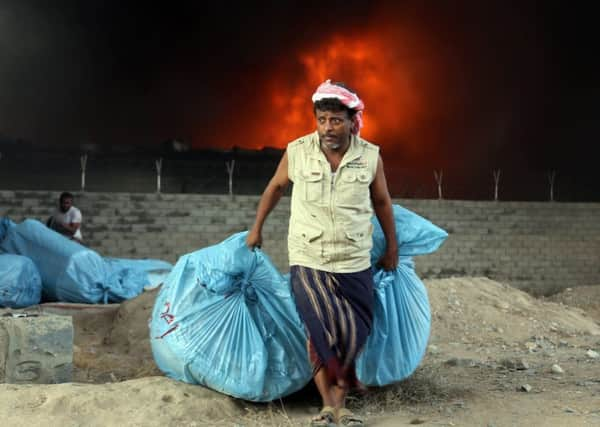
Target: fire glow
391,71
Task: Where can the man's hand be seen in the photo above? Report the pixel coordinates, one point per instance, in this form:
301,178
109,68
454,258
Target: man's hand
254,239
268,200
389,260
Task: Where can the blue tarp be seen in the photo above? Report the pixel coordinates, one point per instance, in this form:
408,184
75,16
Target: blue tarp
20,282
71,272
225,318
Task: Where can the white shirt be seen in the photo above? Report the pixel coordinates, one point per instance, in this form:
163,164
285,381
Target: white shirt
72,215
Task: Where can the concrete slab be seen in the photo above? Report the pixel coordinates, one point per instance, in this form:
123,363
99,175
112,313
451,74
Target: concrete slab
35,348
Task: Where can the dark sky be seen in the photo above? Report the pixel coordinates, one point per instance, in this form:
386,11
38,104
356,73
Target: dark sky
483,83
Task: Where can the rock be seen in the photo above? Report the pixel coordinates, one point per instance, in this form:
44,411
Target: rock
463,363
36,349
519,364
585,383
526,388
502,305
592,354
531,346
557,369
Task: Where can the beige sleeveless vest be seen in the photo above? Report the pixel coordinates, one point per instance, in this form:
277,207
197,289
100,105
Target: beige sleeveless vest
330,222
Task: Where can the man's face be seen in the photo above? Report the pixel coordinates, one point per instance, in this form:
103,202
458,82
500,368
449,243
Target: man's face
65,204
334,128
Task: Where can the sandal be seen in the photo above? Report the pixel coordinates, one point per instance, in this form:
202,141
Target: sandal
348,418
326,418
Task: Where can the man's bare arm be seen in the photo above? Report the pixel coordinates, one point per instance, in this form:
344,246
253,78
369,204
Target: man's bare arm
382,204
269,199
72,227
68,229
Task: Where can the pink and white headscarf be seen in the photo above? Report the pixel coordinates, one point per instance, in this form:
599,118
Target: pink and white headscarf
349,99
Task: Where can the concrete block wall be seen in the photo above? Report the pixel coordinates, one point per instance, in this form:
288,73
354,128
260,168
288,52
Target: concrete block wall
540,247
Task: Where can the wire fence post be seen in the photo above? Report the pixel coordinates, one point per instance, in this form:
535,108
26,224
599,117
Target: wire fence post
158,164
496,183
230,165
551,177
83,162
439,176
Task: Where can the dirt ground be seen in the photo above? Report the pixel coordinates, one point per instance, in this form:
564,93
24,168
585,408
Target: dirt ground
496,357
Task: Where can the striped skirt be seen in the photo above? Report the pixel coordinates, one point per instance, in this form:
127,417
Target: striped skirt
337,311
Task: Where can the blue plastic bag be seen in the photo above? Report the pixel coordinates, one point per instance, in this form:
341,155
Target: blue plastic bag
20,282
415,235
401,315
70,272
225,318
401,326
129,277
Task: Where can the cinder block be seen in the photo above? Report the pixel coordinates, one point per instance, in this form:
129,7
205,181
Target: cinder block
35,349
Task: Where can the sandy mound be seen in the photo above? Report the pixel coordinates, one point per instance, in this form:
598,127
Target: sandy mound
152,401
584,297
477,326
478,311
116,346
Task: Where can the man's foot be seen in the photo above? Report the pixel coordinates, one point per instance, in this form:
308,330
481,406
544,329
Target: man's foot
347,418
326,418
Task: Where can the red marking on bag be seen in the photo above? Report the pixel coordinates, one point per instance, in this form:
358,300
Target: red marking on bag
168,332
169,318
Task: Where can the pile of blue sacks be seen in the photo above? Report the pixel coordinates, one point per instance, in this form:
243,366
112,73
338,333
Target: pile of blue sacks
66,270
225,318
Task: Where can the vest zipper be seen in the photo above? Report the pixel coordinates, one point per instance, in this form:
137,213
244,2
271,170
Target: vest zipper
331,209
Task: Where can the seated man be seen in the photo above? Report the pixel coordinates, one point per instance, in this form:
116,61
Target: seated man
67,218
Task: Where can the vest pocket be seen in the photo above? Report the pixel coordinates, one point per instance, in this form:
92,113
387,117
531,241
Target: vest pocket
364,177
305,239
354,187
312,185
359,237
310,234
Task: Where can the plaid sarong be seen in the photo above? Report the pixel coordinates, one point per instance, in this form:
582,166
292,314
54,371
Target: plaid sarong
337,310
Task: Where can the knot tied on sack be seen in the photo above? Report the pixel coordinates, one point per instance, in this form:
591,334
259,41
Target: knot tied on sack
248,291
243,281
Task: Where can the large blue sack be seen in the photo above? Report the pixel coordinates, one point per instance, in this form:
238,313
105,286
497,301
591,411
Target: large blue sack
70,272
20,282
401,325
401,315
225,318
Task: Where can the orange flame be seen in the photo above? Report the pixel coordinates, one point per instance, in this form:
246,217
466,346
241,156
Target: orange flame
393,71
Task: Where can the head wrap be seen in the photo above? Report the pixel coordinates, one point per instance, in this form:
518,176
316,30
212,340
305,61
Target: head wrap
349,99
